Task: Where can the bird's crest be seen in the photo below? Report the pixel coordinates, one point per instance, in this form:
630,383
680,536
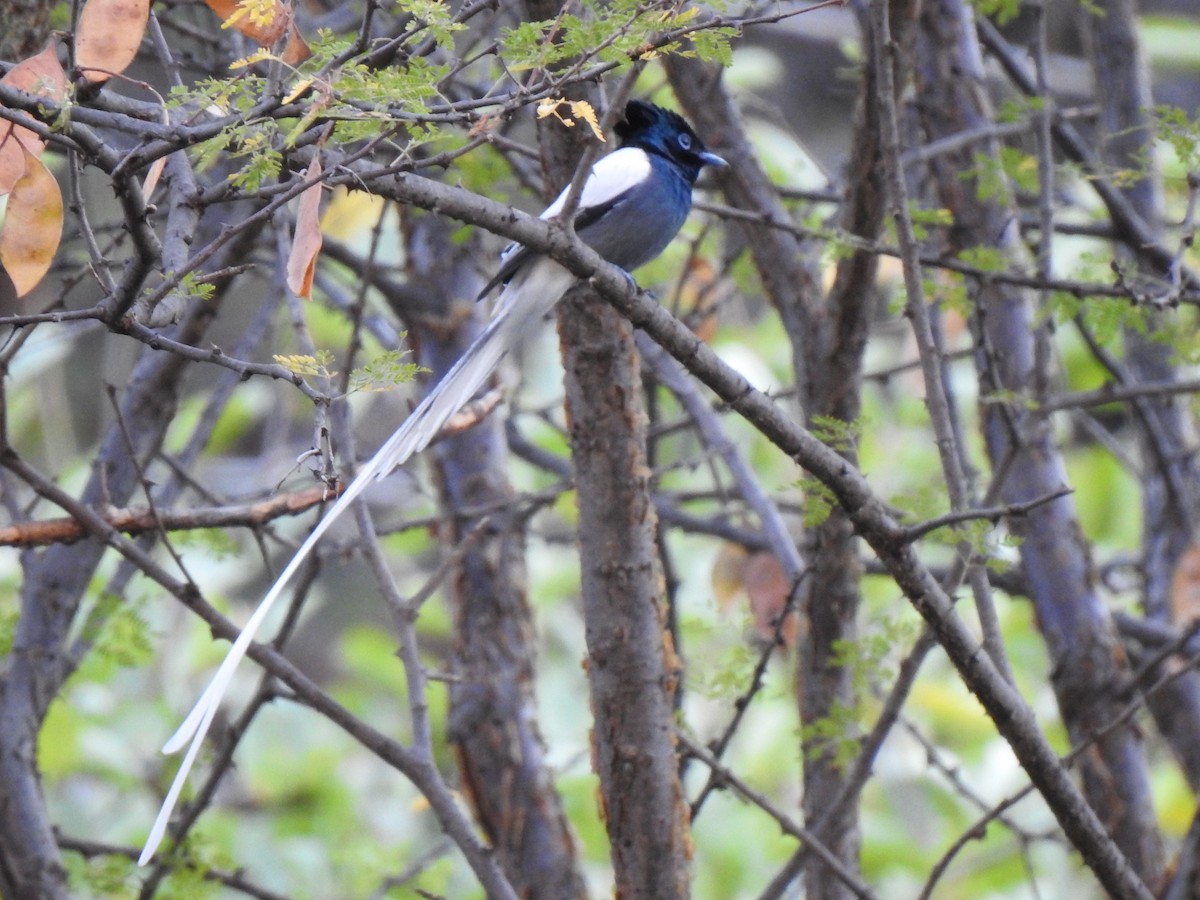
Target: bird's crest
640,115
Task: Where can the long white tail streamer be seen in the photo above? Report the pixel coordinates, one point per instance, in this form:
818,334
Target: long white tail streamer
532,293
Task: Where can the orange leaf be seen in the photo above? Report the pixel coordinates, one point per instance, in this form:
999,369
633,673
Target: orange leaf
152,175
12,157
768,589
263,21
108,36
296,50
306,243
32,226
1185,587
701,295
42,75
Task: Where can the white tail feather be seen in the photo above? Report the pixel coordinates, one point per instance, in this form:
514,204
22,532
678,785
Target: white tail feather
530,295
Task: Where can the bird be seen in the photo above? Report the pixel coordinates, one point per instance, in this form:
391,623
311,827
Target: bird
633,203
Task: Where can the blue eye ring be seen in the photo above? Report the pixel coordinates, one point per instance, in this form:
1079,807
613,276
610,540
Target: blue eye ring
685,141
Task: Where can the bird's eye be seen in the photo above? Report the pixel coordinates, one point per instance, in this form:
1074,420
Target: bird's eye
685,141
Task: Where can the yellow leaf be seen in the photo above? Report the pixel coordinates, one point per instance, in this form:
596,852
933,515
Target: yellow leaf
580,108
255,57
548,107
108,36
298,90
32,226
583,110
350,213
677,19
263,21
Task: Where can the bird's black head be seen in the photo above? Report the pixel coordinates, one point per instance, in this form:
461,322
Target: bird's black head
660,131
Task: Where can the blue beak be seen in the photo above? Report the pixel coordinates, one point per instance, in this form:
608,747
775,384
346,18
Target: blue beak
711,159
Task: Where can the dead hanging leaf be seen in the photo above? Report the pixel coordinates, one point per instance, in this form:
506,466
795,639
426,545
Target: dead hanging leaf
296,50
152,175
306,243
156,168
759,579
1185,587
42,75
768,589
12,157
701,296
263,21
32,226
108,36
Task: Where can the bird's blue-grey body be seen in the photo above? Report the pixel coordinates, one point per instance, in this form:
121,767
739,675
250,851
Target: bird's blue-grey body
633,203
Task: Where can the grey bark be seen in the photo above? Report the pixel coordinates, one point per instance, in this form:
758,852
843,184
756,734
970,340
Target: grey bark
1169,479
493,714
1088,666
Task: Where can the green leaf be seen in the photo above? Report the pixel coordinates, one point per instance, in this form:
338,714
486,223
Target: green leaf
841,436
715,45
985,258
924,219
1003,11
819,502
385,372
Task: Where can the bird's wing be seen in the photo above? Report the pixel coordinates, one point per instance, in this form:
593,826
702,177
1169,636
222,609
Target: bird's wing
610,179
530,295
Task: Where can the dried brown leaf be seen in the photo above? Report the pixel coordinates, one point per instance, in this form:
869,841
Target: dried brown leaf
32,226
296,50
108,36
40,74
1185,587
12,157
768,589
263,21
152,175
306,243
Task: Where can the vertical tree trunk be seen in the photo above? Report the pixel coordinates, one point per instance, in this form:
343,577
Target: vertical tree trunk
632,667
55,581
1169,473
828,336
834,349
493,716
